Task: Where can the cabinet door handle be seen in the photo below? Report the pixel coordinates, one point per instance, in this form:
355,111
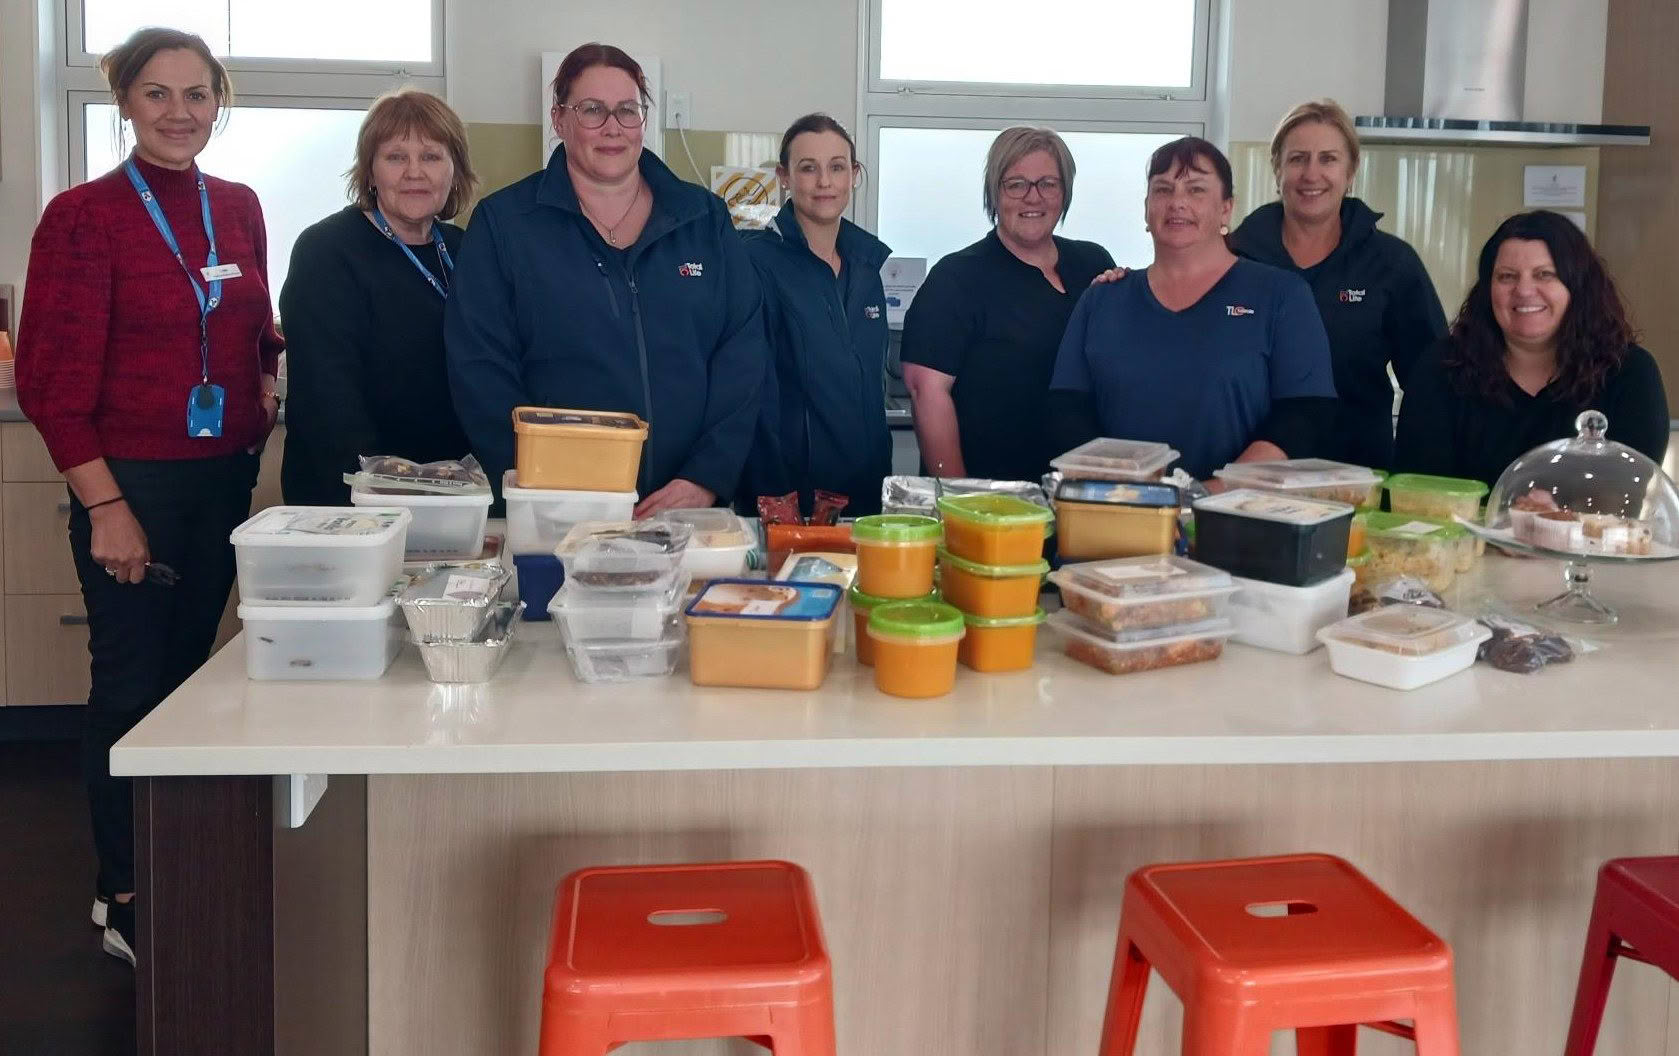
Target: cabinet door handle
73,619
64,507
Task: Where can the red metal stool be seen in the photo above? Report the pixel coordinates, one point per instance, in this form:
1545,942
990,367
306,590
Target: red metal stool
1635,915
681,952
1304,943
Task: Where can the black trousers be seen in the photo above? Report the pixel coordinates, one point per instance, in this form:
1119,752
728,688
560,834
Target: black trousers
145,639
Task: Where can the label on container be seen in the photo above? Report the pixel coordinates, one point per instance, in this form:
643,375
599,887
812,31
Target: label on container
317,522
466,586
816,569
1132,573
610,421
1273,507
772,600
1415,528
1118,494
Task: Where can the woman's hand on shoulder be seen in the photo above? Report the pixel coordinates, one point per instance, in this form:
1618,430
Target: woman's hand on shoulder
1111,275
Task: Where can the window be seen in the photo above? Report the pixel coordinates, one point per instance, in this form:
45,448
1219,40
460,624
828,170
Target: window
940,78
304,72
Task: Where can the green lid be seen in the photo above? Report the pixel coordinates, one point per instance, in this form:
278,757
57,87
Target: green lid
896,528
1411,526
866,602
1359,560
974,568
993,510
1455,486
917,619
992,622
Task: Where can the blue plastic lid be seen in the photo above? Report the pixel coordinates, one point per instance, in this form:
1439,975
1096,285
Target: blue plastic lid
763,599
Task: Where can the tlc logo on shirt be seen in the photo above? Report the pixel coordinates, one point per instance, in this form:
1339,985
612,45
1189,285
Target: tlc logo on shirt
1237,309
871,311
1350,296
691,271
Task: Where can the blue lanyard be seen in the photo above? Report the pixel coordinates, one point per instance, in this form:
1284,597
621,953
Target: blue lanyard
206,304
436,240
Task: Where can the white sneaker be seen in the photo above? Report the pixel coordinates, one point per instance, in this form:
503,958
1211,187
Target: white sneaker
117,946
101,911
119,935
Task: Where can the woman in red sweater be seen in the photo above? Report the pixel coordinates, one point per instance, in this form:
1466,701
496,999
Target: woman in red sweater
146,358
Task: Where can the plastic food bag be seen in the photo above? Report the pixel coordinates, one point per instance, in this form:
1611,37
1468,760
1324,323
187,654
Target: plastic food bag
920,495
1401,590
392,475
1521,649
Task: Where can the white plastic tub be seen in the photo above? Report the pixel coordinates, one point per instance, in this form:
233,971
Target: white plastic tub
621,661
594,615
538,518
443,526
1403,646
721,546
320,555
315,642
1288,619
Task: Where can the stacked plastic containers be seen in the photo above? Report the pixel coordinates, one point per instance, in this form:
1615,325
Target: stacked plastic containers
1111,502
449,503
1142,613
992,569
902,629
619,611
315,589
459,619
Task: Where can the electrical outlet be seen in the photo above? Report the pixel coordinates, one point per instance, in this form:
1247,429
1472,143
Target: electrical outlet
678,110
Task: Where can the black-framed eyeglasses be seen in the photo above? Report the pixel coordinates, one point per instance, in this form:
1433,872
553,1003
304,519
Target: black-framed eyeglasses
1020,186
592,113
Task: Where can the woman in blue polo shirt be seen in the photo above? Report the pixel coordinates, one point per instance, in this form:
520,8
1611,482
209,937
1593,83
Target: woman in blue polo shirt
1224,359
823,423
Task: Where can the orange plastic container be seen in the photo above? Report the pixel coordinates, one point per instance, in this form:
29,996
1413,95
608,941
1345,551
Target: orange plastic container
915,645
862,606
763,635
895,554
990,590
992,529
666,952
573,450
1000,644
1303,942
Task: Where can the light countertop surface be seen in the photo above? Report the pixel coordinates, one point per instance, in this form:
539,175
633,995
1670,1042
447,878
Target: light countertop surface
1250,706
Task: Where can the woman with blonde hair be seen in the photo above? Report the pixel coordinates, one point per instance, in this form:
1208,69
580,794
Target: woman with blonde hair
363,303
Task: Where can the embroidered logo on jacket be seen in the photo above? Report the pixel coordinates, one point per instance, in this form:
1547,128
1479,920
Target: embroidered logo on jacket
1351,296
1237,309
871,311
691,270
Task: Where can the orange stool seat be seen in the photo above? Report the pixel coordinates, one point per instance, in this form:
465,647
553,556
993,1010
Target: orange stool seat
1303,942
681,952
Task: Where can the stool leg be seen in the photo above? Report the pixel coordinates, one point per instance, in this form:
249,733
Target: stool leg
1126,987
804,1039
1436,1024
564,1035
1339,1040
1214,1031
1591,995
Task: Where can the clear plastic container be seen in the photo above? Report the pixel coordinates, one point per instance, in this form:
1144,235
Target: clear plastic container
452,602
1140,593
442,525
999,644
915,648
315,555
1198,643
994,529
624,555
315,642
538,518
478,658
1305,478
591,615
895,554
762,634
1403,646
1106,458
577,450
1277,538
624,661
990,590
1096,519
1441,498
720,545
861,606
1288,619
1407,545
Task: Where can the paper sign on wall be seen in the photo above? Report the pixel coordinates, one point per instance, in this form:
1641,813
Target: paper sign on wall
901,277
1554,186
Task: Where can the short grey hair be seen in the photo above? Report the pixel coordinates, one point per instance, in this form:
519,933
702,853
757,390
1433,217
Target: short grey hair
1015,143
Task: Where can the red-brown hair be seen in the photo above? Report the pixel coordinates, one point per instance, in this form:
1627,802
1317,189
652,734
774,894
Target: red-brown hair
586,57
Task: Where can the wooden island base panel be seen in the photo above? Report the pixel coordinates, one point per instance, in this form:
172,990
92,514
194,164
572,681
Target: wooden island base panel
968,852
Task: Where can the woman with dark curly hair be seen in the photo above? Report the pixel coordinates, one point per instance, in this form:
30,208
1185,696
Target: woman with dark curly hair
1541,337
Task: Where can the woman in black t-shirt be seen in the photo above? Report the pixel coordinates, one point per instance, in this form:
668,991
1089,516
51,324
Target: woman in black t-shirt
1541,337
980,338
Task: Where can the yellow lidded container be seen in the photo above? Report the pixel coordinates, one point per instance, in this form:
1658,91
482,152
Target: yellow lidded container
570,450
761,634
1097,519
990,590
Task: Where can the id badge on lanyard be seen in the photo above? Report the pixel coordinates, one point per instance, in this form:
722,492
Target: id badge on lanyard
206,403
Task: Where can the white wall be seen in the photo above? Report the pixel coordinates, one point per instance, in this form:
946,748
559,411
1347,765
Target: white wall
1285,51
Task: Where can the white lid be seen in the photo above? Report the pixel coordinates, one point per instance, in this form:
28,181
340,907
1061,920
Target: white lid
625,539
1406,630
323,526
1263,505
1069,624
418,498
1150,578
510,489
580,600
320,613
1296,473
713,529
1108,455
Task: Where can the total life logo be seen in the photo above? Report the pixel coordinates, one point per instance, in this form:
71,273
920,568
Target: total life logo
691,270
1350,296
1237,309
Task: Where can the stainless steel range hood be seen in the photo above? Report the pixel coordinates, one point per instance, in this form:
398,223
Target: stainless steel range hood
1457,72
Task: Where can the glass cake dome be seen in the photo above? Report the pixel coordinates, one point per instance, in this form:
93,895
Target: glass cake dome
1585,500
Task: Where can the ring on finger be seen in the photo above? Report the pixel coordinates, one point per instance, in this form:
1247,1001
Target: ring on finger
111,572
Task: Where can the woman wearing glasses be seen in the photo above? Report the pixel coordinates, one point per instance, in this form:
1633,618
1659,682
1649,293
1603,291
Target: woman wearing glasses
606,283
981,335
363,304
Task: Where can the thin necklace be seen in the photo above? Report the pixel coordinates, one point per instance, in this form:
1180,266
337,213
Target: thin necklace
612,229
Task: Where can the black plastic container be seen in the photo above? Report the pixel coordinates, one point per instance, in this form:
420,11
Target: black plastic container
1257,535
540,577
